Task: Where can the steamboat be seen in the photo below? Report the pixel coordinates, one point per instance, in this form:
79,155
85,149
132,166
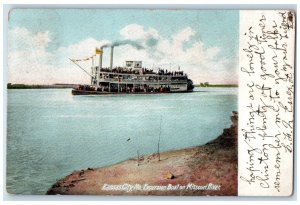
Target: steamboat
132,78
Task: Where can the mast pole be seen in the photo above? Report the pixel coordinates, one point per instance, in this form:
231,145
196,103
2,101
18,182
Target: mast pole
80,67
93,70
158,151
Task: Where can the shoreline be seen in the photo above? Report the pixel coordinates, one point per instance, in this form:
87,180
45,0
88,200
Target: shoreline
209,169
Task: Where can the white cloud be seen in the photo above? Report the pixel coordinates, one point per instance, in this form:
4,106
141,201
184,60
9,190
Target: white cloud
28,57
23,39
202,64
30,62
183,36
82,49
137,32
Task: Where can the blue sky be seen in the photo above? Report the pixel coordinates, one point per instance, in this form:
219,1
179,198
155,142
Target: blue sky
66,27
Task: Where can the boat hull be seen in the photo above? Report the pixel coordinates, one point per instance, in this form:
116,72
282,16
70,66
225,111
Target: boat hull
87,92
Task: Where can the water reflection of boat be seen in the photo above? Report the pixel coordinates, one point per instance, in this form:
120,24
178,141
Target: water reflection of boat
132,79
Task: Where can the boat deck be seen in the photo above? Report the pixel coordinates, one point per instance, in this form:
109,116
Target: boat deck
86,92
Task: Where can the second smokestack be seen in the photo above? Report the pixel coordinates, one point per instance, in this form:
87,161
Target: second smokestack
100,58
111,57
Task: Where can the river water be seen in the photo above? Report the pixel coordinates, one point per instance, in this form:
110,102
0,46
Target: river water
51,133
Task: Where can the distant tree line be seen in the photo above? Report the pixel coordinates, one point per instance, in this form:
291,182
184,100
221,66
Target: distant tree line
206,84
24,86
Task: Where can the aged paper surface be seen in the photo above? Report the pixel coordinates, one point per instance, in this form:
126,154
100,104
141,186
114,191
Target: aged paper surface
266,90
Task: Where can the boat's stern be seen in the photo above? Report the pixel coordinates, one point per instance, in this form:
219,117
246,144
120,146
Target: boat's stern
190,85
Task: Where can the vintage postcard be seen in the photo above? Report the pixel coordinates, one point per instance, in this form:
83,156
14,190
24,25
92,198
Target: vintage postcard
150,102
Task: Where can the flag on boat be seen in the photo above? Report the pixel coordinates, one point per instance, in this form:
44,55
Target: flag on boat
99,51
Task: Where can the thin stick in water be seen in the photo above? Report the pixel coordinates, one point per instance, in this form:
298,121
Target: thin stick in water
138,159
158,153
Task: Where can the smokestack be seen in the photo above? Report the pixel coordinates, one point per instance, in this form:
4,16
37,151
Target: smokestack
111,56
100,59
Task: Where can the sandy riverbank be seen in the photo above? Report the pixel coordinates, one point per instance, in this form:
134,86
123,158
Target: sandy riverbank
209,169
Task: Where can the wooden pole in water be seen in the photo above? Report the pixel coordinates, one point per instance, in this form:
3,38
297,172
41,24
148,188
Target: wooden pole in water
158,153
138,159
